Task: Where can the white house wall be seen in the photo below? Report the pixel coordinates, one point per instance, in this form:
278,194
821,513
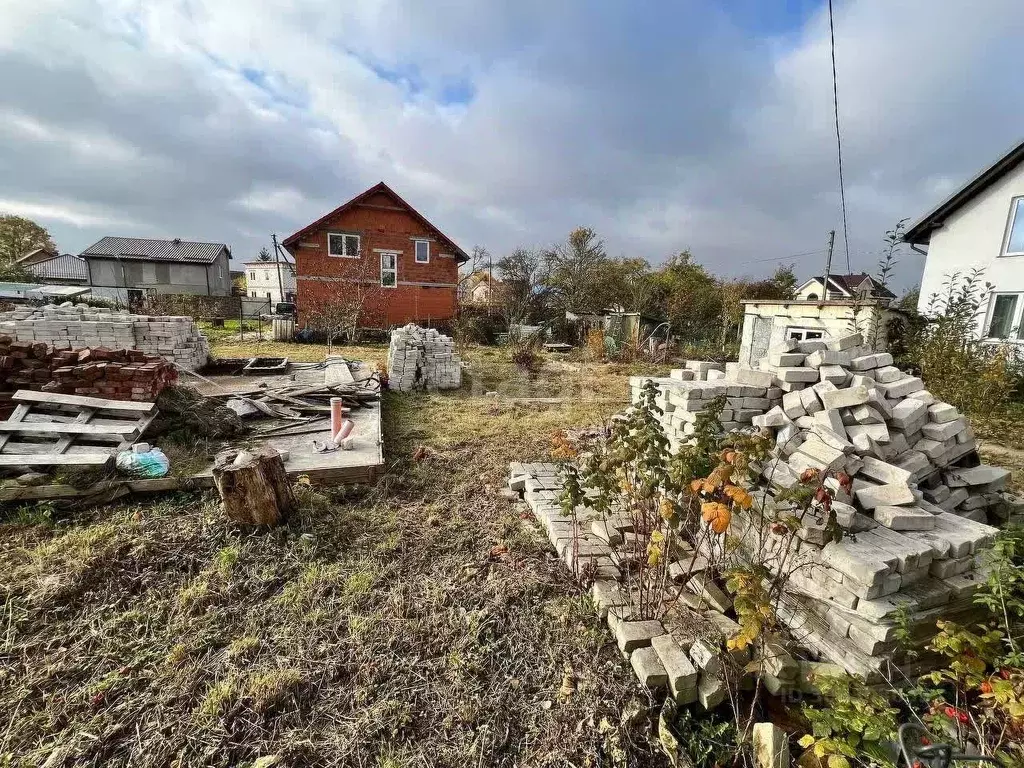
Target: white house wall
974,237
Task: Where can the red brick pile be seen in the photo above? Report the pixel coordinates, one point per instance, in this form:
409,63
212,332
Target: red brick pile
121,374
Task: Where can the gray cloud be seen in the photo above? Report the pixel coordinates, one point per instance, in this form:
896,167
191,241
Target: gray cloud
663,125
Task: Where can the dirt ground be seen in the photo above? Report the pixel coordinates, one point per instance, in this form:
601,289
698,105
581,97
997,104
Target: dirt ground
421,621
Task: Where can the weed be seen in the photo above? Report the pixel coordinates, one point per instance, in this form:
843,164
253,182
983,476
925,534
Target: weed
244,647
270,689
219,697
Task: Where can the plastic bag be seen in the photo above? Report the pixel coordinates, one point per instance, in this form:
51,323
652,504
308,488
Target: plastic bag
148,464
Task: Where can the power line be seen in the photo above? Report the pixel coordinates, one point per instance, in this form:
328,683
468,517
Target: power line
839,139
805,254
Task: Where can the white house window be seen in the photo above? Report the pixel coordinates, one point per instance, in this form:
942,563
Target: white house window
804,334
422,251
389,270
1005,316
252,275
1015,236
345,246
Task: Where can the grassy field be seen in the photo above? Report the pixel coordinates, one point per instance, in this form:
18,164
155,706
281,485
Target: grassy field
421,621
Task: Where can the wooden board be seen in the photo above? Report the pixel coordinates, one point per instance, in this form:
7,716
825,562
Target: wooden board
31,396
65,428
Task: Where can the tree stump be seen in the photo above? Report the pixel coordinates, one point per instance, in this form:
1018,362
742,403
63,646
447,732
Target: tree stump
253,486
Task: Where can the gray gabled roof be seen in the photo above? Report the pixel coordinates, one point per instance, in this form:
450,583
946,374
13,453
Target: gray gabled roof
66,267
141,249
849,284
921,230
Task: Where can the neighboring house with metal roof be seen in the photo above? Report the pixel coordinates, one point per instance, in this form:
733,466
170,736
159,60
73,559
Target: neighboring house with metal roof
66,269
127,269
980,226
843,288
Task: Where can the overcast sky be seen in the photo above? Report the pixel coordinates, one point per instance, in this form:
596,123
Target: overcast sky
663,125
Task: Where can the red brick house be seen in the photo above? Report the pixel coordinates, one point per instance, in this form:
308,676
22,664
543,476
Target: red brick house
378,246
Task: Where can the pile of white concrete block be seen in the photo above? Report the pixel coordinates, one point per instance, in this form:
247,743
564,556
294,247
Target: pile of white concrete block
77,326
422,358
920,510
682,652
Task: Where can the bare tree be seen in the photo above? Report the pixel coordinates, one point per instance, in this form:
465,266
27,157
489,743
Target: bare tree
349,307
522,285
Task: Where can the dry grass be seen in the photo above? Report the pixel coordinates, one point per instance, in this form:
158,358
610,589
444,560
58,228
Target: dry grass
379,626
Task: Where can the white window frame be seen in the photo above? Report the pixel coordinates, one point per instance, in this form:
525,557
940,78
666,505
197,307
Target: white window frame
344,254
252,275
1015,208
416,251
792,331
1016,321
393,255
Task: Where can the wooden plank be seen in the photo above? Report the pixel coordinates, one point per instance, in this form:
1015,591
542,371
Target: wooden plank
17,415
83,418
68,429
63,459
30,396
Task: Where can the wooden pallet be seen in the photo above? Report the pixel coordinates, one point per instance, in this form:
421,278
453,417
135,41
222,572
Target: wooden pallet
48,429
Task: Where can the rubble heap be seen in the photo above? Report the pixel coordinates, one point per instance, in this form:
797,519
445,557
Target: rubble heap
79,326
125,374
922,505
422,358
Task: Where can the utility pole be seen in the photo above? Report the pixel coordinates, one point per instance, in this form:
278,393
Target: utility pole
277,268
828,263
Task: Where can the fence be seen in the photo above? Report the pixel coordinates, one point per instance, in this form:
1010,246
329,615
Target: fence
206,307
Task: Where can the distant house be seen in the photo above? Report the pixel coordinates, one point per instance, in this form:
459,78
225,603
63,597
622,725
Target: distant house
843,288
127,269
274,281
981,225
377,243
37,254
480,288
61,270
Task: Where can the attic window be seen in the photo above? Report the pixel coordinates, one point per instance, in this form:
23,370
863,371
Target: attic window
345,246
422,251
1015,237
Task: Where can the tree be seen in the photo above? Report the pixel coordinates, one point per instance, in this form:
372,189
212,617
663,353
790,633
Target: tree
575,270
264,254
19,235
692,299
522,292
344,313
630,283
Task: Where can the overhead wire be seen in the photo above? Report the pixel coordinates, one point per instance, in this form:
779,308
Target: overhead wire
839,138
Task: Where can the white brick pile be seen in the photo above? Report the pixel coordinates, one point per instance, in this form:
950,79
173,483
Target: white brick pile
75,326
922,506
422,358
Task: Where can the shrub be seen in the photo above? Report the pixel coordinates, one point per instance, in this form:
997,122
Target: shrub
978,377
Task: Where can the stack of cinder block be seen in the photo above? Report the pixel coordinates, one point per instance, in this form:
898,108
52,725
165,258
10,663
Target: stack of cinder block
681,652
921,509
79,326
422,358
125,374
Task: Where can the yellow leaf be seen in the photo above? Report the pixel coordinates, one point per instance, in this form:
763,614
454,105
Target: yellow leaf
838,761
657,537
806,740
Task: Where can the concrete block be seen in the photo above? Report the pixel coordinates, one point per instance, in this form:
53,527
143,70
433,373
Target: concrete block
864,363
905,518
924,396
755,378
888,374
631,635
796,375
826,357
892,494
785,359
844,343
879,433
776,417
834,374
771,746
792,404
984,476
902,387
810,401
711,690
648,668
884,472
845,398
908,411
682,675
944,431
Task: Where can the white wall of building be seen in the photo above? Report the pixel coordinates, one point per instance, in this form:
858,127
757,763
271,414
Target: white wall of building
975,236
261,281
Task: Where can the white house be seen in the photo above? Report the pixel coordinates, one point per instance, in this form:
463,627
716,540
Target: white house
981,225
270,280
859,287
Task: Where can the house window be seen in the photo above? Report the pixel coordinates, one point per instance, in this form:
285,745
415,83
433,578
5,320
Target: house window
804,334
345,246
1015,236
1005,321
163,274
254,294
252,276
422,251
389,270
